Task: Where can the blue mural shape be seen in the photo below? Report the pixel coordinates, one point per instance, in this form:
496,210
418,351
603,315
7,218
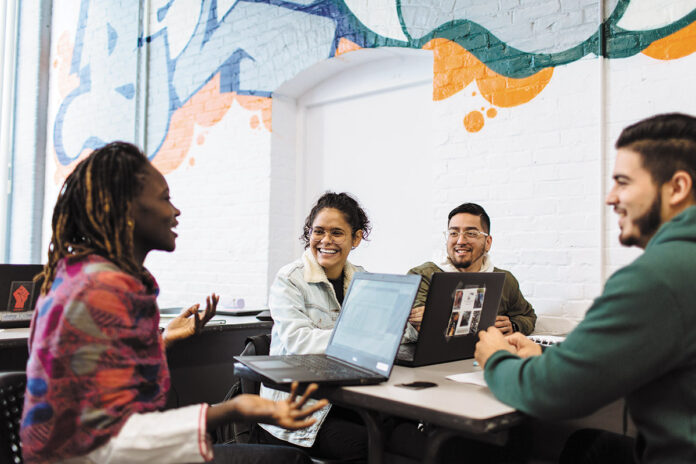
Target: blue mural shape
256,45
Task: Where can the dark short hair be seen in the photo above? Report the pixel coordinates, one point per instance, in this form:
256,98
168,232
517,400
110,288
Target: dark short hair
354,214
475,210
666,144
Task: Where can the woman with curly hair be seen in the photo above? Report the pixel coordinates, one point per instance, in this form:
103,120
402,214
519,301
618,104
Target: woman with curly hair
305,300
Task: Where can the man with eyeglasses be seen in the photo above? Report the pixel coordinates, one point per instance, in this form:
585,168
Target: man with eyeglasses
468,242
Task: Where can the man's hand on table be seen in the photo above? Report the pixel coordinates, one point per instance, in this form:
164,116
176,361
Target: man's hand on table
493,340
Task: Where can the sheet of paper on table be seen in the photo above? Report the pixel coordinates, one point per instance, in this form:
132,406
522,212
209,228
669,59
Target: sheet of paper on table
475,378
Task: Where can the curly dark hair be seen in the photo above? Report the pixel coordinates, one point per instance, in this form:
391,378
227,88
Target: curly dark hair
94,210
354,214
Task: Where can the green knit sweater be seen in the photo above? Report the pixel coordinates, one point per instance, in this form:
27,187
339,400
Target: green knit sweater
638,341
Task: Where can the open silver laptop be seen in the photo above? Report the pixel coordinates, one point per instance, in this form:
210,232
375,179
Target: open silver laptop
363,343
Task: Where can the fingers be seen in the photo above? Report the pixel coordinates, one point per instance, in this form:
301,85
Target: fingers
211,303
311,388
516,338
309,410
293,392
294,425
190,311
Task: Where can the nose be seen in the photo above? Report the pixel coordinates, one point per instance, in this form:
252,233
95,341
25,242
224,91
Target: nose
461,239
612,199
177,212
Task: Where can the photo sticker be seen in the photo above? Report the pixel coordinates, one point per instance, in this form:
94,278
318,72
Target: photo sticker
452,325
466,311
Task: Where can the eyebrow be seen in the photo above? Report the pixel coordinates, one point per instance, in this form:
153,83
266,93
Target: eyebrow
618,177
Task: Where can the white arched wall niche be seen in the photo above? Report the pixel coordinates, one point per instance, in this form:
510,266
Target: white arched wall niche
361,123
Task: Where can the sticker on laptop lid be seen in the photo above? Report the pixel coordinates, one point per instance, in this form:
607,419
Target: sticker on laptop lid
466,311
382,367
20,296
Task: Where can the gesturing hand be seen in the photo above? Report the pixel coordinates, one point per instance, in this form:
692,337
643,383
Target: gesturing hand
190,321
289,413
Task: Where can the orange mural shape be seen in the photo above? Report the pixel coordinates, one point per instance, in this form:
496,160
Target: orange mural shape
674,46
454,68
206,108
473,122
345,46
66,82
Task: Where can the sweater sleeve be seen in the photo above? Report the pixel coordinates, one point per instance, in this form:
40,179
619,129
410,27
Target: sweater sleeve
173,436
519,310
625,341
426,274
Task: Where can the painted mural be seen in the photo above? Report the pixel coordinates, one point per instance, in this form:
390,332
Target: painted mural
216,54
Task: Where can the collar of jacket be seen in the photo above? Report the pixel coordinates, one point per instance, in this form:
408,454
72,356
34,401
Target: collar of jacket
314,273
486,266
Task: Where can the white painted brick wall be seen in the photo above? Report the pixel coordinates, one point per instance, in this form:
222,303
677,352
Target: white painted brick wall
541,170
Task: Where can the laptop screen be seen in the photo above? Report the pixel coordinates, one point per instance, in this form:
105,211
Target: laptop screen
372,320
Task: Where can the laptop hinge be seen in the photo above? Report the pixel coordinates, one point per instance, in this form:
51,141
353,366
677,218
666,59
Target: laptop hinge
356,367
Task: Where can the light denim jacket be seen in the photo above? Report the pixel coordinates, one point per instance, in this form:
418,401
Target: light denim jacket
305,309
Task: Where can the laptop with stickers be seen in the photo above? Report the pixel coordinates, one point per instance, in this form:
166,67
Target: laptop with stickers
18,294
363,343
459,305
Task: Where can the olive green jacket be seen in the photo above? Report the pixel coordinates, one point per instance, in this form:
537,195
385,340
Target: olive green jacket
512,303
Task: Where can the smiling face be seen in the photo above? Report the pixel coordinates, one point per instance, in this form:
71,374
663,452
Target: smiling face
154,215
330,255
635,198
467,254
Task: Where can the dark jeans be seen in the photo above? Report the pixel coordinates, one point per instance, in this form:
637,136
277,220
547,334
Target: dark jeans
342,436
590,446
237,453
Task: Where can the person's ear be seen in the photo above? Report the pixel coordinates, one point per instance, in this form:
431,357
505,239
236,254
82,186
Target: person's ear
678,189
357,238
489,242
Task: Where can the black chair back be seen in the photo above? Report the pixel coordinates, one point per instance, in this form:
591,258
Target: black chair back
12,385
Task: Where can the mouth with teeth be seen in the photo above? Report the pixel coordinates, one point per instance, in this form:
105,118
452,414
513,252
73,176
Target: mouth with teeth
462,251
326,251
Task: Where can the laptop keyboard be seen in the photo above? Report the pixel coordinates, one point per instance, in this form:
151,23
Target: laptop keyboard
546,340
323,365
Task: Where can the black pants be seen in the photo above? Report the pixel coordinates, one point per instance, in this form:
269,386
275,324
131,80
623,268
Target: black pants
236,453
590,446
342,436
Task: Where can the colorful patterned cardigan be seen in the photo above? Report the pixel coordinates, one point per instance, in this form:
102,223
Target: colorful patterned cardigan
96,357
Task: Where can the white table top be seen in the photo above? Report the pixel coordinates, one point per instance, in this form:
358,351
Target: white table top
462,406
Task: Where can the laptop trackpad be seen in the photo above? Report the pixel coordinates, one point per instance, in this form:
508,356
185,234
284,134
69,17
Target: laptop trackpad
272,364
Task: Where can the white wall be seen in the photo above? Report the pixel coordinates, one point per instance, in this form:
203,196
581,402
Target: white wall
540,165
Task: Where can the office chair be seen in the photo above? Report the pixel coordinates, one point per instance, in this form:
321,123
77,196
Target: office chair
12,386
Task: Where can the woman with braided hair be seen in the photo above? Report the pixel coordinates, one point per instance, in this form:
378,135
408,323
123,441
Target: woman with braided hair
97,376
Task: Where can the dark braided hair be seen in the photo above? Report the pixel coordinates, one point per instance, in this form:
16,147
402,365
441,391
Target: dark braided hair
94,214
354,214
